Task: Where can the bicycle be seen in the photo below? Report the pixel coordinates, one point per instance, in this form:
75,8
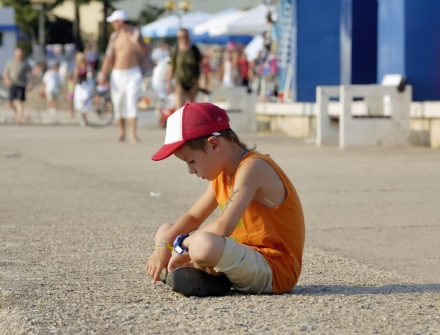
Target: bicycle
102,113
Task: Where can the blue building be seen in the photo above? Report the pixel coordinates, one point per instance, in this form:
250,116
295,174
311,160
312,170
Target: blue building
8,35
409,44
341,42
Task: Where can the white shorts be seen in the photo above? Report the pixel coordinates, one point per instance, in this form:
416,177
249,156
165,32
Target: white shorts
246,268
125,88
81,98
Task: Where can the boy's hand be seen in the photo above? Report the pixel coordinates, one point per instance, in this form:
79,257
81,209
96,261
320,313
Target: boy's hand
157,262
178,261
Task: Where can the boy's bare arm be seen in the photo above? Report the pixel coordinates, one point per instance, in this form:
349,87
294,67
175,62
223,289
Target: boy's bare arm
194,217
247,182
188,222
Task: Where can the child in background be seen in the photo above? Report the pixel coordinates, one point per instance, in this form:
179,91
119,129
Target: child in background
256,243
51,87
70,87
82,92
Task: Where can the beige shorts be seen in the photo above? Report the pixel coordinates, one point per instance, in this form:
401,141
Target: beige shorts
246,268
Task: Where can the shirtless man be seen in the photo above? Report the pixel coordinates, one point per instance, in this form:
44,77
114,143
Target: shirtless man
125,53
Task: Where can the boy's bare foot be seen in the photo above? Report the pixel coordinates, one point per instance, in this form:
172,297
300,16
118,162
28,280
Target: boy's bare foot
121,138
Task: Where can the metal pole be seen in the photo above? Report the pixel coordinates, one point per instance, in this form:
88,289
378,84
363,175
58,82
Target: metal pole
41,31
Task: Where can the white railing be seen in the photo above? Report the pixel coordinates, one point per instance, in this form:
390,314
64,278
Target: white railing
383,121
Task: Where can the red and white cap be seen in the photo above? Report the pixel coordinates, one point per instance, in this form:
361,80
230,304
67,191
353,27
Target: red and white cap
194,120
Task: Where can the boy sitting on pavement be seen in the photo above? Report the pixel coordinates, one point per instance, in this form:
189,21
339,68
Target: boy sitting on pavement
256,243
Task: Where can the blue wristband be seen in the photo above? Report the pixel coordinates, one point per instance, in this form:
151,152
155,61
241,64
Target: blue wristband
178,244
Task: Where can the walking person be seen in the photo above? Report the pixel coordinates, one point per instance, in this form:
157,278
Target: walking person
125,55
243,65
17,75
185,69
82,90
230,71
51,87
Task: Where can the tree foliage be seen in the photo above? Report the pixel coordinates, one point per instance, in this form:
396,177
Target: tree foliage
26,16
149,14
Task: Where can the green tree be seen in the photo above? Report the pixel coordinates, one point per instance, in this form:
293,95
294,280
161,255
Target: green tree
149,14
76,24
26,16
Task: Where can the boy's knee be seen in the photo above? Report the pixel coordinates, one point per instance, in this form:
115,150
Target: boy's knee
204,245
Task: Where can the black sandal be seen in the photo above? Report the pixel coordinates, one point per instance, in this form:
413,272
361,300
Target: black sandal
189,281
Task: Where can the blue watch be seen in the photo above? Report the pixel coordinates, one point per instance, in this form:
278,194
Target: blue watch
178,244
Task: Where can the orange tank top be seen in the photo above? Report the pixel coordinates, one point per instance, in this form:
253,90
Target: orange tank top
278,233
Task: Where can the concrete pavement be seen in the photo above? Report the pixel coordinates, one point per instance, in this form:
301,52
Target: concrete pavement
77,222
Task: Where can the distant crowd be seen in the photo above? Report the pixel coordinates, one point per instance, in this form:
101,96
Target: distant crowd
223,67
173,74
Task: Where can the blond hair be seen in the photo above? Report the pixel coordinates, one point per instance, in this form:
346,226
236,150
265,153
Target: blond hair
80,58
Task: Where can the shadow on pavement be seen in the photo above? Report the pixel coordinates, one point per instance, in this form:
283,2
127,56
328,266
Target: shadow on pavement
317,290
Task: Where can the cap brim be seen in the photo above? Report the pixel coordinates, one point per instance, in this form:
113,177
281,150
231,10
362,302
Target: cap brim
110,19
167,150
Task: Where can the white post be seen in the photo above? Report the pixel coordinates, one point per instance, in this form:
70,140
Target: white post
346,117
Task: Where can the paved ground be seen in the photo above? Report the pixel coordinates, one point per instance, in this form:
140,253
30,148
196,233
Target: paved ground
77,223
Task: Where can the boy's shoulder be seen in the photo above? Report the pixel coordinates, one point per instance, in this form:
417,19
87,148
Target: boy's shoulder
260,163
257,154
254,161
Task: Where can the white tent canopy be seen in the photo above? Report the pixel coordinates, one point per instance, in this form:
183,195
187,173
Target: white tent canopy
250,22
254,47
169,26
204,27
